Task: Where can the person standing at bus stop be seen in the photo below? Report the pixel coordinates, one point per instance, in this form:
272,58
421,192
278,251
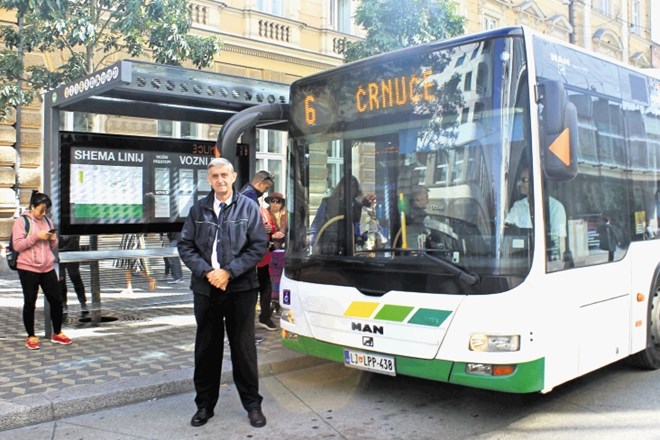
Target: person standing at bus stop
34,239
222,240
278,212
173,264
257,187
72,243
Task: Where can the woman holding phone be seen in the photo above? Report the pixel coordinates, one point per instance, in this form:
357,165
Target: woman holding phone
34,238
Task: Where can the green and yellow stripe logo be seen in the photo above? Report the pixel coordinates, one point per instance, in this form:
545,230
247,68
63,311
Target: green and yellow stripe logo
396,313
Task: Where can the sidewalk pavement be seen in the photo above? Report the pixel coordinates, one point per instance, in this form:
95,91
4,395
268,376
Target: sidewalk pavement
142,349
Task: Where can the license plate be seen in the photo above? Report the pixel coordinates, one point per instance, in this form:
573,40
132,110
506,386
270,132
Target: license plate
377,363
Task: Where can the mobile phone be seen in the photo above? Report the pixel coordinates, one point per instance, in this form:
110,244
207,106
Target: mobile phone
52,231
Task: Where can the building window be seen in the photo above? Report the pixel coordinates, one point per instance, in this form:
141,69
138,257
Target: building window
271,156
603,6
467,83
490,22
274,7
77,121
177,129
340,15
635,17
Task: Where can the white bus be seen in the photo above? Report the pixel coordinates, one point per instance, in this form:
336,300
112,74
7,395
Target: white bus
464,287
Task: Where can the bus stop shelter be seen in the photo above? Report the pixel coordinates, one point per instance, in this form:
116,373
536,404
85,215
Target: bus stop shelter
156,92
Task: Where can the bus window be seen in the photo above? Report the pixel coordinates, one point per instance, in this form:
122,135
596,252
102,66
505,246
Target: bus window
586,129
607,117
636,139
653,140
396,125
597,225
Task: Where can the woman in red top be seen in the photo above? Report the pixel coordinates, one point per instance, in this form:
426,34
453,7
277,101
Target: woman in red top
36,267
263,275
278,213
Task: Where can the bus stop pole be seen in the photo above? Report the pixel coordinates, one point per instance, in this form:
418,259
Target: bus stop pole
95,282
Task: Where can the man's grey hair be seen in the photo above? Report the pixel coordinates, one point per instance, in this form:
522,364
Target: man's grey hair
220,161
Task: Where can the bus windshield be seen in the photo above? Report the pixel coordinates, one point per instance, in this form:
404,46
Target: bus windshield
411,164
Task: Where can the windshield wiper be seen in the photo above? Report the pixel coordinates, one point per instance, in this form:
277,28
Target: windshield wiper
470,278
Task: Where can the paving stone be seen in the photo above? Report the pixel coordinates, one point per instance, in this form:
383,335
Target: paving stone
151,340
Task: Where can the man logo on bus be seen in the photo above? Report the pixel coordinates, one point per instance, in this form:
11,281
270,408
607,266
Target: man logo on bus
368,341
366,328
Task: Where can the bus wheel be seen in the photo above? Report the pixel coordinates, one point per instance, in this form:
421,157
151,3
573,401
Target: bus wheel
649,358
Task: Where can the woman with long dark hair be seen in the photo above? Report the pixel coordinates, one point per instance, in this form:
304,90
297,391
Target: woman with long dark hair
34,238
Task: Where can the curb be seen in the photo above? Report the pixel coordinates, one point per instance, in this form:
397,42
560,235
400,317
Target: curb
77,400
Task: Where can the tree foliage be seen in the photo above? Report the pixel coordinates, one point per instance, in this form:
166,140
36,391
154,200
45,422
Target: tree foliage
393,24
83,35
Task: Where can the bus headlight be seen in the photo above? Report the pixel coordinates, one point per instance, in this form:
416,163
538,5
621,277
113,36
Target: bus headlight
490,370
494,343
287,315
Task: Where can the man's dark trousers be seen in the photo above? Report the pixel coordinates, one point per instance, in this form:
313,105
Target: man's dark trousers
237,312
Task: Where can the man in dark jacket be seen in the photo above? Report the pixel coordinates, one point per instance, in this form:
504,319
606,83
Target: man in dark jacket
258,186
222,240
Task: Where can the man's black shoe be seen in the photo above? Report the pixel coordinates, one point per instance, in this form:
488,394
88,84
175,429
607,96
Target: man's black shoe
201,417
257,418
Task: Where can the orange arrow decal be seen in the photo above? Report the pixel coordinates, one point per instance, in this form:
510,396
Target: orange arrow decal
561,147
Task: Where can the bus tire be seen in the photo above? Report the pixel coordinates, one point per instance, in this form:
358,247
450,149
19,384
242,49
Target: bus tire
649,358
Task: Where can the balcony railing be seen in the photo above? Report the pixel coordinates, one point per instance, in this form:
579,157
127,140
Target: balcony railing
274,31
200,13
339,45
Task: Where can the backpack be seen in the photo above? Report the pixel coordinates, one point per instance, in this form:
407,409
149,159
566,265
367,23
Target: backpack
10,252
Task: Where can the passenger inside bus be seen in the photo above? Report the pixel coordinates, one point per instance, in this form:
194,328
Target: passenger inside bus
369,230
427,231
519,216
419,200
416,232
329,226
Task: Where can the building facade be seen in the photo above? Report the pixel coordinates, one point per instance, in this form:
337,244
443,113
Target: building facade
619,29
281,41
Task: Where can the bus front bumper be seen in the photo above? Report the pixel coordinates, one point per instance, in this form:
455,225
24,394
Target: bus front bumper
526,377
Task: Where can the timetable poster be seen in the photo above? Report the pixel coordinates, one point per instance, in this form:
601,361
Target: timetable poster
131,186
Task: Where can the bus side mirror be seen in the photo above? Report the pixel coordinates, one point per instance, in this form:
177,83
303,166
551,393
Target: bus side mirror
558,131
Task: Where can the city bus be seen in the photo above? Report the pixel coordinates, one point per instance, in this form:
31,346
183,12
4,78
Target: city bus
481,211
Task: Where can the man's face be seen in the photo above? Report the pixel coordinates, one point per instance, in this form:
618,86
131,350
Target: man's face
221,178
264,185
421,199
